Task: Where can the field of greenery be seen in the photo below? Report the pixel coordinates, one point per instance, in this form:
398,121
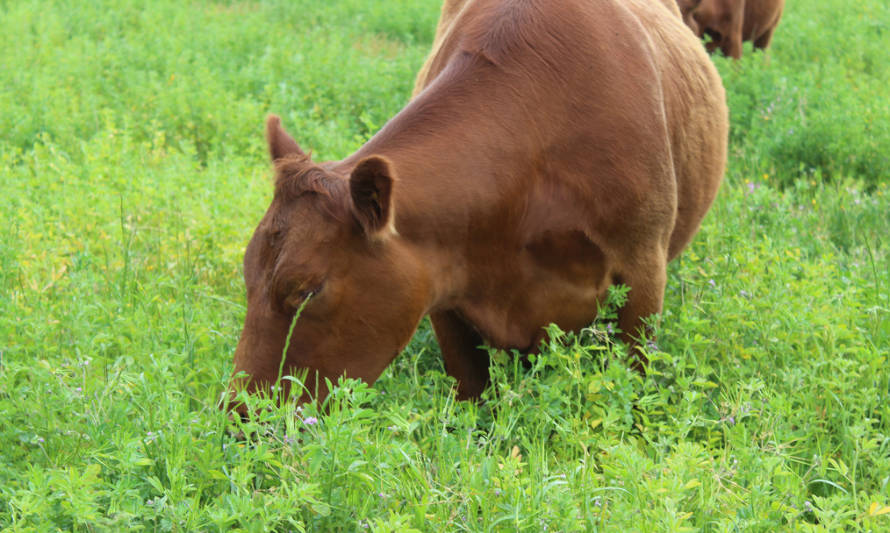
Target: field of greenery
133,170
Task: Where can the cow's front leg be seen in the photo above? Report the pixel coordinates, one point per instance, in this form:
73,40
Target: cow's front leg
645,298
732,39
732,46
763,41
464,360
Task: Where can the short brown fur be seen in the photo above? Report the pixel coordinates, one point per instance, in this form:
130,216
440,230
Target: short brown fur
731,22
555,148
687,8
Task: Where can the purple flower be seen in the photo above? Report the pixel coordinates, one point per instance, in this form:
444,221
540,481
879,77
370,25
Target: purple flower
310,421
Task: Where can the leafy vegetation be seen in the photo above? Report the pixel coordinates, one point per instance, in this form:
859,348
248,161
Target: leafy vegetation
133,170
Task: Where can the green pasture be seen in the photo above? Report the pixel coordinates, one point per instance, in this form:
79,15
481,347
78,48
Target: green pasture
133,170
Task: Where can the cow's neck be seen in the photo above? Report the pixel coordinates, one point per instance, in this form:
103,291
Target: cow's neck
463,152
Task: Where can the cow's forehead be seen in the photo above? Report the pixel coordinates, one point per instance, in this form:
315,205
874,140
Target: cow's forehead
303,222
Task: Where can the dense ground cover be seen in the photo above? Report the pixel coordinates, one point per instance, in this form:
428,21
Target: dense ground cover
133,170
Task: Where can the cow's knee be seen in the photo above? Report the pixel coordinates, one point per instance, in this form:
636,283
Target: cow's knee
645,299
462,356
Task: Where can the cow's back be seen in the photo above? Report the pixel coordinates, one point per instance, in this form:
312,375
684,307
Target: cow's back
624,76
450,11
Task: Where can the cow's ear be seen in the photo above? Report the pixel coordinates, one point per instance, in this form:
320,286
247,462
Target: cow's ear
281,144
370,186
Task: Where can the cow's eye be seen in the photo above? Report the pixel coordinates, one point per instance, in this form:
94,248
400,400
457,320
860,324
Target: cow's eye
274,238
311,292
289,296
303,295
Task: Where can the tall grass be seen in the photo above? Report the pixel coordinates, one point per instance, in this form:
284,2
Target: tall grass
133,170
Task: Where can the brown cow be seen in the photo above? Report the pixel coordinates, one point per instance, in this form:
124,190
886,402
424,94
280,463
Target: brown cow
552,153
730,22
452,8
687,8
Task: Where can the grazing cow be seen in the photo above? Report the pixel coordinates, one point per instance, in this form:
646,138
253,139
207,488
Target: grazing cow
556,148
730,22
452,8
687,8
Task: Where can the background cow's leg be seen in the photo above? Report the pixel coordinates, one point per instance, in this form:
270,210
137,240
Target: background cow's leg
463,358
732,39
732,45
645,298
712,45
763,41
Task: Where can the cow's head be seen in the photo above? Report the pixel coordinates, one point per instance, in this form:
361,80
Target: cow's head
328,248
687,10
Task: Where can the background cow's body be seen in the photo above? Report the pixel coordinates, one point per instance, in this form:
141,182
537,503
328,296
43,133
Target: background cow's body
731,22
687,9
551,153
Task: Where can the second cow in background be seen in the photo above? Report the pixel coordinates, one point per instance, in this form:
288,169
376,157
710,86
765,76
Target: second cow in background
731,22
